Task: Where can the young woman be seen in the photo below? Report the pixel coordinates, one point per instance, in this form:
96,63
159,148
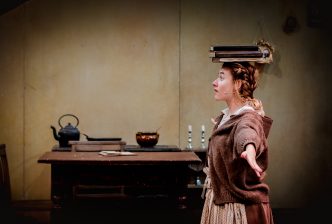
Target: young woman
237,155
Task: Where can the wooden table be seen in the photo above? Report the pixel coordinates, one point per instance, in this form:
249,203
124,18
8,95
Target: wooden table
78,176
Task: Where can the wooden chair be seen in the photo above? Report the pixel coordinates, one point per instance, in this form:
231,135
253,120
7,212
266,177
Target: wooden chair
5,192
6,212
18,211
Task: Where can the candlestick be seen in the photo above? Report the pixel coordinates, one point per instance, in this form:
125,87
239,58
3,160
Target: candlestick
189,146
203,137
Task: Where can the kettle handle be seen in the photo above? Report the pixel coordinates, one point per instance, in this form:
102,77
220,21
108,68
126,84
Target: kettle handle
72,115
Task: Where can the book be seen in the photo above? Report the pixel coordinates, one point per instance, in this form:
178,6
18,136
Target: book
258,60
234,48
235,54
260,53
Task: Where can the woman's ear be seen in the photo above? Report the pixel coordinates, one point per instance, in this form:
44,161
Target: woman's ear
237,84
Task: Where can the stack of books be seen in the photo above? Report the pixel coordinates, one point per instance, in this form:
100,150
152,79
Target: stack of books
260,53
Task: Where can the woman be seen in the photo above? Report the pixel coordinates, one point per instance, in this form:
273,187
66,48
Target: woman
237,156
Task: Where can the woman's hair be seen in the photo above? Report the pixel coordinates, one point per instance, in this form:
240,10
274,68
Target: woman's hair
246,73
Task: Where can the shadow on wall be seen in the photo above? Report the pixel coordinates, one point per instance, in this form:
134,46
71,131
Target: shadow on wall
274,68
8,5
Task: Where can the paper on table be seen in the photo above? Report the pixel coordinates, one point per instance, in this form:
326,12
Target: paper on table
116,153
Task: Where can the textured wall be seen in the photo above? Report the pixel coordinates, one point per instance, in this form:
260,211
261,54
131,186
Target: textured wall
125,66
114,64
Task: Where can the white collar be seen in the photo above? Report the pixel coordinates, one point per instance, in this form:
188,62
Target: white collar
238,111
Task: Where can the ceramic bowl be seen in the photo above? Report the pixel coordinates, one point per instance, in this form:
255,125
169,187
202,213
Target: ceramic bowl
147,139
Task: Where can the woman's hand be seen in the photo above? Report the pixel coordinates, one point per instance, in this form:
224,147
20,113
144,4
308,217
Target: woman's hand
250,155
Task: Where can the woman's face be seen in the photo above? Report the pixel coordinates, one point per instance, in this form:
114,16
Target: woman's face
223,86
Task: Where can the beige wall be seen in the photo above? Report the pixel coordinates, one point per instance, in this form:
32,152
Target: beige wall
125,66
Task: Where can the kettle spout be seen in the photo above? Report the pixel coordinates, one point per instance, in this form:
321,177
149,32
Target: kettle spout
56,136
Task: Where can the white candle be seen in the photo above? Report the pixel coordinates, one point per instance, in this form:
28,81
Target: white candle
190,128
203,128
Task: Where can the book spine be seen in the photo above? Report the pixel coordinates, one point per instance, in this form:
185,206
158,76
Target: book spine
234,48
219,60
235,54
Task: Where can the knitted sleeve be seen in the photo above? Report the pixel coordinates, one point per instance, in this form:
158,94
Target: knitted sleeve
249,130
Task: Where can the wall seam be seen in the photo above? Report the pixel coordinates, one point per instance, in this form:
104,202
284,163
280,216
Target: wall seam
179,87
24,102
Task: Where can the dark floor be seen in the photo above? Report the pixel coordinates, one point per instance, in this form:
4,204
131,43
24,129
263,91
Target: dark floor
41,213
102,213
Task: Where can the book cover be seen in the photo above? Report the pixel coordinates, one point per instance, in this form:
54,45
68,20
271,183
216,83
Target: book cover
234,48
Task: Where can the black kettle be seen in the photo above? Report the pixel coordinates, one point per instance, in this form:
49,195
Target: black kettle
67,133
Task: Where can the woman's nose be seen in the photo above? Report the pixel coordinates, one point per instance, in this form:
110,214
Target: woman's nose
214,83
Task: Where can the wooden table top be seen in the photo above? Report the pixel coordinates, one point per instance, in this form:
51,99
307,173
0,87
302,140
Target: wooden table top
139,158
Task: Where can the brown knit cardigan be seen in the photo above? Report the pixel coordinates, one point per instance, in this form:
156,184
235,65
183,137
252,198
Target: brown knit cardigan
232,178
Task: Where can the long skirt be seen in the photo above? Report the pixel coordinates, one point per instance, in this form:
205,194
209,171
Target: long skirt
233,213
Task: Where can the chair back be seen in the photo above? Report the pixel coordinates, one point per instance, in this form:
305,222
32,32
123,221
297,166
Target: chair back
5,193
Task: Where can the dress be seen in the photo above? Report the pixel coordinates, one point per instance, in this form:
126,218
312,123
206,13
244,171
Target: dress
233,212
